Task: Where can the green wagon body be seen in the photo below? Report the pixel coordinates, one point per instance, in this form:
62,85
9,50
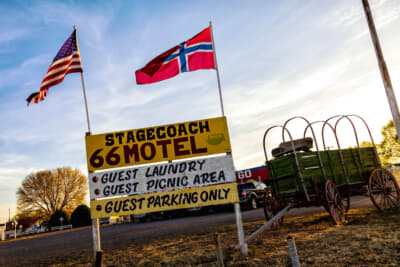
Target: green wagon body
300,177
285,179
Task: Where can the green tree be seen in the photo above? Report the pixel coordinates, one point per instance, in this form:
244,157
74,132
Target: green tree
46,191
27,219
389,148
81,216
364,144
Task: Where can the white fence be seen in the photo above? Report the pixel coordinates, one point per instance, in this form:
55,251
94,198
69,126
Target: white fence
62,227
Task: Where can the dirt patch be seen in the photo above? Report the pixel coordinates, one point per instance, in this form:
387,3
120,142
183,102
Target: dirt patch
367,238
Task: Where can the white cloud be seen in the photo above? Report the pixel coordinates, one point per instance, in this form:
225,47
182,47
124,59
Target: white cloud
11,35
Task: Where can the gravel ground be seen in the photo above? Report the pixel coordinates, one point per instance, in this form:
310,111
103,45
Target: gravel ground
38,248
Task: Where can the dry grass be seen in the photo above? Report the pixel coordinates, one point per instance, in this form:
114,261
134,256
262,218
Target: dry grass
368,238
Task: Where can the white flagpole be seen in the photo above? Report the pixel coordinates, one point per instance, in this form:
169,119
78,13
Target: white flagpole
86,105
239,222
83,85
216,68
98,253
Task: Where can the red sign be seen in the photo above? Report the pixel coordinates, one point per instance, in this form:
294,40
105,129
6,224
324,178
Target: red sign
258,174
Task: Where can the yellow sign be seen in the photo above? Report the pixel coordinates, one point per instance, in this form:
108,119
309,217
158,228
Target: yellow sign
188,198
155,144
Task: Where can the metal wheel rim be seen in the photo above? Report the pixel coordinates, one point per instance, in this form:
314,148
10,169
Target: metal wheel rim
383,189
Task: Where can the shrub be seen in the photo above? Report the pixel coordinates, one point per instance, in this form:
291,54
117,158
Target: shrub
55,218
81,216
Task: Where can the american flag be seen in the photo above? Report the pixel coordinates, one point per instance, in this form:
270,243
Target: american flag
36,97
67,60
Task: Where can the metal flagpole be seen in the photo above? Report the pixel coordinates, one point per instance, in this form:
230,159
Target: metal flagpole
216,68
383,68
239,223
98,253
83,85
86,106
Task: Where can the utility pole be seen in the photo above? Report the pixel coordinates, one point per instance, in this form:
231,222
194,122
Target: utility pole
383,68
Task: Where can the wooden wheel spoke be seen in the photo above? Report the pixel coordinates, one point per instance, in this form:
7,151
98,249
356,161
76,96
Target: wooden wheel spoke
382,200
377,178
391,184
387,177
331,193
340,212
338,198
394,193
377,191
375,184
393,200
390,200
385,182
385,201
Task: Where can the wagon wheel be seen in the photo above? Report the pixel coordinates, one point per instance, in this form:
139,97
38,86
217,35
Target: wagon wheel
334,202
383,189
271,208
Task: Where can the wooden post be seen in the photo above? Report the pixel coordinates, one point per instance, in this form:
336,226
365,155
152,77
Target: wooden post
96,236
293,252
220,256
265,226
99,259
383,68
239,224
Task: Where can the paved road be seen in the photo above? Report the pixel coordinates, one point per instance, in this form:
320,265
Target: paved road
79,241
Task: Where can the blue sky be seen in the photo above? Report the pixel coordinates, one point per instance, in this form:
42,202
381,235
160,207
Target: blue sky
277,59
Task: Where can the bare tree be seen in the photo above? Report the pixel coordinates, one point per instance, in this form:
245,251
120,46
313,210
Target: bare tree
46,191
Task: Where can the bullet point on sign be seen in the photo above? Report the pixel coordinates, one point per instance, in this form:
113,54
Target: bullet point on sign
95,179
97,192
98,207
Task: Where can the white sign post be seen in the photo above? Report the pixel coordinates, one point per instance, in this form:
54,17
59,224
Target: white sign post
239,225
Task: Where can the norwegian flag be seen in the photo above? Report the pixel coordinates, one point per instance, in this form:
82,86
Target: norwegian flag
196,53
67,60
